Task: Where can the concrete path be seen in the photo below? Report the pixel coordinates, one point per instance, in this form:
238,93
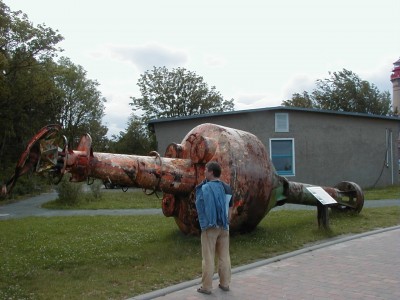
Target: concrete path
32,207
365,266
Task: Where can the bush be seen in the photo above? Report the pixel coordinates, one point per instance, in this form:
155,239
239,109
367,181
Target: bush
29,184
68,192
95,189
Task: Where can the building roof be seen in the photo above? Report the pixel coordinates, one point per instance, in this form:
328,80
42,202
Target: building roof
277,108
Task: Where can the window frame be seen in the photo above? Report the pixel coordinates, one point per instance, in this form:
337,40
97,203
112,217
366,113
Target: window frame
278,122
293,158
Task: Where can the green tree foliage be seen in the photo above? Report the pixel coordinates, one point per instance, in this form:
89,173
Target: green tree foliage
136,139
166,94
300,100
25,86
35,90
344,91
83,105
177,93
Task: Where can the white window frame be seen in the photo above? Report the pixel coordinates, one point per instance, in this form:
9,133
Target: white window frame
281,172
281,122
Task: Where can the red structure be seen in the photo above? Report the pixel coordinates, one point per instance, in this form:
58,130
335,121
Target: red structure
396,70
395,79
245,166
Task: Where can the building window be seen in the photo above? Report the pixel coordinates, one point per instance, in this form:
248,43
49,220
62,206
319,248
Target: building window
281,122
282,156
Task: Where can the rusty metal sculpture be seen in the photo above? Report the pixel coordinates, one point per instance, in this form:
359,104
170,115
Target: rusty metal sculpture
246,167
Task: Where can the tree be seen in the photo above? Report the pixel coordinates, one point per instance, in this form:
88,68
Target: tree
176,93
136,139
299,100
82,103
344,91
25,53
35,90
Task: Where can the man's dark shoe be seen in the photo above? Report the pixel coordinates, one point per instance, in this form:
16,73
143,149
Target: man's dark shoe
224,288
203,291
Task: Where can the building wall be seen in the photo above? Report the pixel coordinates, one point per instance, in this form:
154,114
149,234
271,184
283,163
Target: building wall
334,148
329,148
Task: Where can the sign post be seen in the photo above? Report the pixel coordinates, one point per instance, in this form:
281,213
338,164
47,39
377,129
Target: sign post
324,201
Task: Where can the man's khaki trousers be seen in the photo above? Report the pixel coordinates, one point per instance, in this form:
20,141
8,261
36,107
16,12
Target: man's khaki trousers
215,241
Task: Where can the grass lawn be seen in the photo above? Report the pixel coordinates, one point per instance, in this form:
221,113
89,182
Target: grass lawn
390,192
137,199
116,257
112,199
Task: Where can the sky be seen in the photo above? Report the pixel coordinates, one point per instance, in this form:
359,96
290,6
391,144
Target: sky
256,52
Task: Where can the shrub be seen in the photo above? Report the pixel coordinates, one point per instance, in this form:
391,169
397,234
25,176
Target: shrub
29,184
68,192
95,189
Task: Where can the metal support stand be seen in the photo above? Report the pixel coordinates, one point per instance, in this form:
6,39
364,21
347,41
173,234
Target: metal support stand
323,215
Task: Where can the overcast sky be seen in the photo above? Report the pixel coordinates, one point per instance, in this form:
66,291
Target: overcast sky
257,52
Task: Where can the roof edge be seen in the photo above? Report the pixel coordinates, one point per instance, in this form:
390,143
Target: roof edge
284,108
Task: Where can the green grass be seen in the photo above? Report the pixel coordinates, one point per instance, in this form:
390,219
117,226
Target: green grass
115,257
389,192
112,199
137,199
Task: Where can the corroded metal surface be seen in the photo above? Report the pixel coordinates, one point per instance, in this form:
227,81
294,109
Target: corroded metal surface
245,166
30,159
348,195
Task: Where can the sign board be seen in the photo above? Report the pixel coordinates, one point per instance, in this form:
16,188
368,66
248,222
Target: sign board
321,195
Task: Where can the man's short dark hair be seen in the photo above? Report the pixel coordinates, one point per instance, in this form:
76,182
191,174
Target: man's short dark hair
214,167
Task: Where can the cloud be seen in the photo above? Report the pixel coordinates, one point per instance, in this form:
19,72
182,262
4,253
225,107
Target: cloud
145,57
214,61
246,101
117,113
380,76
295,84
298,84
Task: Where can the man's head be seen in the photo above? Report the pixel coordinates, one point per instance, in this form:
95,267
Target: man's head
213,170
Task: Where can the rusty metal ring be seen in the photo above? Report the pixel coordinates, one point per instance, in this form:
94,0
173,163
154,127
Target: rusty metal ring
88,181
154,191
65,152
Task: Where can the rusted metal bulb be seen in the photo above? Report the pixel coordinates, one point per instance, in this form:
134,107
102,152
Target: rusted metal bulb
246,167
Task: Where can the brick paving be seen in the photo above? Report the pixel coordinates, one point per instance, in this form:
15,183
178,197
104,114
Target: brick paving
365,266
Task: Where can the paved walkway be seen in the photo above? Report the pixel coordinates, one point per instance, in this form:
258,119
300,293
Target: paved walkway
365,266
32,207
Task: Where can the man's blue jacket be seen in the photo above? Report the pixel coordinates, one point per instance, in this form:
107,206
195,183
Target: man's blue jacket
212,204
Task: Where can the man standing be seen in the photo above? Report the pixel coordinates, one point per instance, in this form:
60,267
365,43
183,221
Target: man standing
214,205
